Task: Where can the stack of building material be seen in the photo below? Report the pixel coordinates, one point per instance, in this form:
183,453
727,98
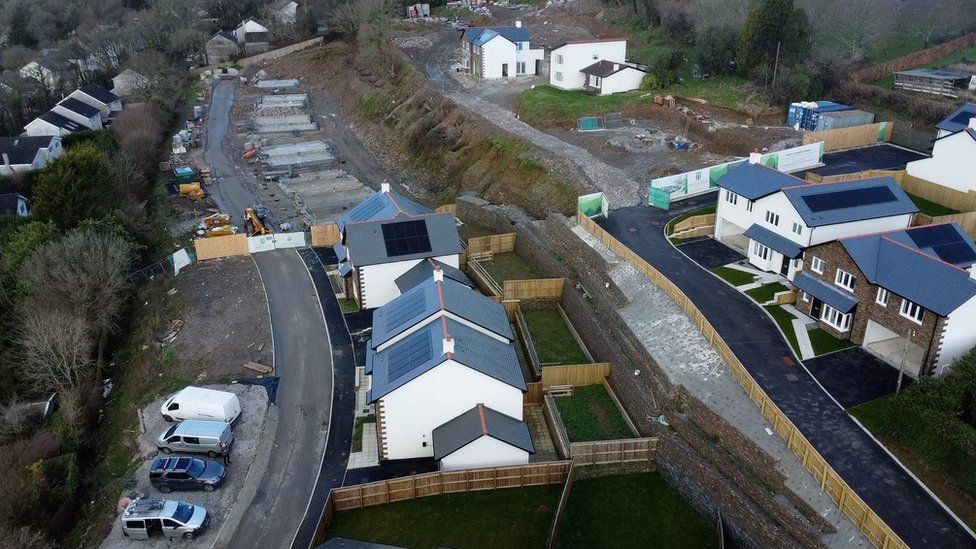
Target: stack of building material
309,154
290,100
284,124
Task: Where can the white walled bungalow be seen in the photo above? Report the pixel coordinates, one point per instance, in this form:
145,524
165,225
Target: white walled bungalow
386,236
953,162
96,96
434,375
52,123
608,77
567,61
482,437
83,113
500,52
772,217
24,154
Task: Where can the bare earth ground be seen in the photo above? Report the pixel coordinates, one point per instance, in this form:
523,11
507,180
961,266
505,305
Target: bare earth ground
226,319
247,433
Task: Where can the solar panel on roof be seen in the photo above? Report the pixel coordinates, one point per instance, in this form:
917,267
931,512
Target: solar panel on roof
955,253
850,198
406,238
409,354
368,209
403,310
926,237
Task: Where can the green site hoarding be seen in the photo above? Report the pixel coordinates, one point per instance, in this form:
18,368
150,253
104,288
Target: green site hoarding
592,205
659,198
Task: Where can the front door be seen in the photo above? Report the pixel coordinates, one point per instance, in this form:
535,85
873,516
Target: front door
504,70
815,308
785,270
538,67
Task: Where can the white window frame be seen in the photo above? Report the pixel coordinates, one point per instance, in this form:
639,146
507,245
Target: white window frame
797,229
520,66
597,81
909,309
772,218
881,298
761,251
749,205
559,60
731,197
845,280
804,297
835,319
520,46
559,76
817,265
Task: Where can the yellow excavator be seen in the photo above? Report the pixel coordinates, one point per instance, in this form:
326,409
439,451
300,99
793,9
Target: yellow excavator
255,221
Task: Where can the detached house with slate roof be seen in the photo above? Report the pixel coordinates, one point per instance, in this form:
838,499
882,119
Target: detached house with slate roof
25,154
953,161
907,296
772,217
445,378
598,66
386,236
500,52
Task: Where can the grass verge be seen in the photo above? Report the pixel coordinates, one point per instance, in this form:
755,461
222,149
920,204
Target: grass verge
357,432
512,517
552,338
509,266
348,305
824,343
766,292
590,414
639,510
669,228
734,277
928,207
785,321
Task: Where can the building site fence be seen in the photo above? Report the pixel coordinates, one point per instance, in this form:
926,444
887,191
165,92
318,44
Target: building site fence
325,235
848,501
854,136
221,246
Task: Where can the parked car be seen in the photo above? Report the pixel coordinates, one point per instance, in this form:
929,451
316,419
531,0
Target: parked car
203,404
213,438
186,473
145,518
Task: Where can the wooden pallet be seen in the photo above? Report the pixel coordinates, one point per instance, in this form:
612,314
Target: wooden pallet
561,390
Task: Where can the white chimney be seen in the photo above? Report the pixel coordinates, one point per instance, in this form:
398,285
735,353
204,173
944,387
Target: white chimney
448,345
6,160
518,24
755,158
438,274
972,123
616,67
384,187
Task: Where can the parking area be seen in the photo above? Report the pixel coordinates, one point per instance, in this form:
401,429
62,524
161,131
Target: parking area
876,157
854,376
710,253
248,432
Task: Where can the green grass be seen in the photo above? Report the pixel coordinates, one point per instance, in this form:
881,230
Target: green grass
639,510
552,338
357,432
734,277
954,57
824,343
785,321
509,266
549,106
512,517
646,42
766,292
590,414
898,45
669,228
928,207
871,413
348,305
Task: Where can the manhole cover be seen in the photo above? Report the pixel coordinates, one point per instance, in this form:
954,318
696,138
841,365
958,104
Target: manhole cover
655,223
792,377
631,229
788,361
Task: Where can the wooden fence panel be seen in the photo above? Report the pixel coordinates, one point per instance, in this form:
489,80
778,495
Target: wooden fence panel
536,288
967,220
533,393
848,138
483,280
613,451
560,438
875,529
694,222
575,374
496,243
561,509
221,246
325,235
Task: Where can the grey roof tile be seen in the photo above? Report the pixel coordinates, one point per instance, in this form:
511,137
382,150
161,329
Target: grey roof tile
831,295
847,201
478,422
424,270
755,181
779,243
367,246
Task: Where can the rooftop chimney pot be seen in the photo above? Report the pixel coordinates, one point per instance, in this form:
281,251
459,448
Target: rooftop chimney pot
438,274
755,158
384,187
972,123
518,24
448,345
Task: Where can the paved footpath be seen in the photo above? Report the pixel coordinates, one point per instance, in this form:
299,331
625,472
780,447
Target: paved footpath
902,503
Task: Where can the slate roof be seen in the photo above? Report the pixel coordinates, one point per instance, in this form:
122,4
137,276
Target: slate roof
62,122
959,119
340,251
55,63
367,246
381,206
754,181
831,295
481,35
908,271
422,351
97,92
937,74
604,68
424,271
779,243
430,297
23,150
8,203
226,35
79,107
846,201
945,241
478,422
590,41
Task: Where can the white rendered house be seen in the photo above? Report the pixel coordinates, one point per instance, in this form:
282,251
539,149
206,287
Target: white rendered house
566,62
953,162
88,116
482,437
608,77
772,217
500,52
52,123
96,96
25,154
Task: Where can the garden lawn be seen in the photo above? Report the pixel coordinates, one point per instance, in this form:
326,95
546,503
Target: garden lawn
348,305
823,343
590,414
511,517
357,432
547,106
928,207
766,292
734,277
785,321
639,510
508,266
552,338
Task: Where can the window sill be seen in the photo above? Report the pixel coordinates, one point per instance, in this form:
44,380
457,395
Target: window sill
919,322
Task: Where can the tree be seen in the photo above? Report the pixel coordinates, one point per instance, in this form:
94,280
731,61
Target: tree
770,25
55,350
715,50
679,26
20,26
663,69
77,186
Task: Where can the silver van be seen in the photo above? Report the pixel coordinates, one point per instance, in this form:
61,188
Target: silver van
144,518
213,438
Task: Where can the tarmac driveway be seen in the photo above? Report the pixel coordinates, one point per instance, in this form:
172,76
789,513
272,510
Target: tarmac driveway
854,376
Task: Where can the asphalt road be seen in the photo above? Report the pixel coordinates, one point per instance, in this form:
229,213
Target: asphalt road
231,190
303,361
900,501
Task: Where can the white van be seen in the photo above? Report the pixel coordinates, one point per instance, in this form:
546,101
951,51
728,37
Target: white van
202,404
